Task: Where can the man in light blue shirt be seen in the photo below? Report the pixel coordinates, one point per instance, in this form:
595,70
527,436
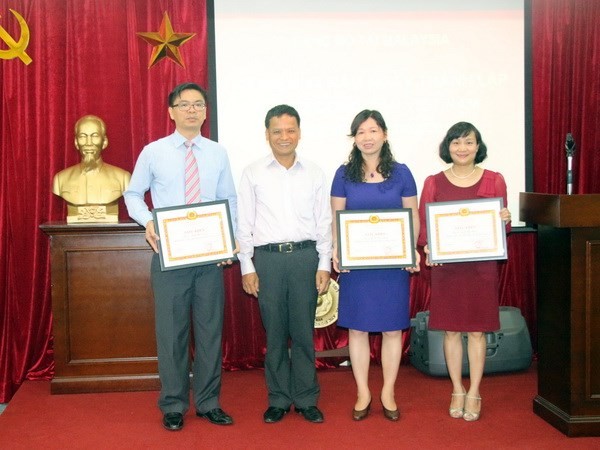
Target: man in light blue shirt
190,296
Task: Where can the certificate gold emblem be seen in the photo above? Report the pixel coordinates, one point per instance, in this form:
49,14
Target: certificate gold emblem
192,215
464,212
16,49
374,219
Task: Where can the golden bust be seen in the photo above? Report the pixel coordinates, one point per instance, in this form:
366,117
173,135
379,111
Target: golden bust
91,188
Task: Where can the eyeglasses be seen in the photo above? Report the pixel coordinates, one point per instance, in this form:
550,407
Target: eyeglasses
184,106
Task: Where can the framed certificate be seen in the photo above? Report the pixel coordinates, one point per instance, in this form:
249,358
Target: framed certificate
196,234
467,230
375,239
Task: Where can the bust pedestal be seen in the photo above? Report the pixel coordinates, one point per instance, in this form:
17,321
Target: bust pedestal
103,308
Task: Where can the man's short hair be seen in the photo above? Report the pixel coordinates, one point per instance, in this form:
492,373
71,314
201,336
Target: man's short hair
280,110
176,92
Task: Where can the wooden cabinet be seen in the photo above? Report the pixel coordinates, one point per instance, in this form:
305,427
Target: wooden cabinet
103,308
568,309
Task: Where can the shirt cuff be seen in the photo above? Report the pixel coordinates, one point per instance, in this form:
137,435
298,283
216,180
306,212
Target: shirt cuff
324,263
246,264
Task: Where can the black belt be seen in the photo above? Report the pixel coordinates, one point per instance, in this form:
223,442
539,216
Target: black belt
287,247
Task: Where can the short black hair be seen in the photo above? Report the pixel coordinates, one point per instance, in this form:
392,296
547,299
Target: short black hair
458,130
280,110
177,90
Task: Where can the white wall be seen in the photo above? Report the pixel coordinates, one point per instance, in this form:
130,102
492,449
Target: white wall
423,64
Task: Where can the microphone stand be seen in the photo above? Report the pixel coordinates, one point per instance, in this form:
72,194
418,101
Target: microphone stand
570,147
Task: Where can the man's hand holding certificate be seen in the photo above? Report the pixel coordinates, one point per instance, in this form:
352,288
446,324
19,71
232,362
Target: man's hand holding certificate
195,234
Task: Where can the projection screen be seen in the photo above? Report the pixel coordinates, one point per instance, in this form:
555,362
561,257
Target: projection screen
424,65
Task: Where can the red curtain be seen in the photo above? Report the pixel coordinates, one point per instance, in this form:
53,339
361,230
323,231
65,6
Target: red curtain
566,93
87,59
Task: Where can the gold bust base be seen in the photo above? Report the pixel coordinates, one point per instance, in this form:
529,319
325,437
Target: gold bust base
93,213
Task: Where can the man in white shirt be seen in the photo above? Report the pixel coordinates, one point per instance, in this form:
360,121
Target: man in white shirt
284,222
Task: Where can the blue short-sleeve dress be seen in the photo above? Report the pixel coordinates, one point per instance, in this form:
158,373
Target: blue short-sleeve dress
374,299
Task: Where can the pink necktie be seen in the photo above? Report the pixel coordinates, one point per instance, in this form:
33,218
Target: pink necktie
192,177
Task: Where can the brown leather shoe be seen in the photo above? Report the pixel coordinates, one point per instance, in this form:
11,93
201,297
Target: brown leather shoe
362,413
393,415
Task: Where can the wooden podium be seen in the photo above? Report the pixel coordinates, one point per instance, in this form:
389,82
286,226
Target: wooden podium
568,309
103,308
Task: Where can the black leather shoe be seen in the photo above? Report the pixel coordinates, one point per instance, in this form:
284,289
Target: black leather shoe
274,414
216,416
312,414
173,421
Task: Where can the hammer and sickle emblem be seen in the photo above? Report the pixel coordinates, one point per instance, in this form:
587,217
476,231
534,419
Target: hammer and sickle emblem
16,49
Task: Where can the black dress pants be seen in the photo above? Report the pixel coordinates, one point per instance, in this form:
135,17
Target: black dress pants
184,298
288,300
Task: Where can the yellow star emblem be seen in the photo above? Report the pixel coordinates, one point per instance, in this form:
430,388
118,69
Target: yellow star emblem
166,42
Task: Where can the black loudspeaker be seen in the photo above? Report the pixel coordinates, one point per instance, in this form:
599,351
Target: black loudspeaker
508,349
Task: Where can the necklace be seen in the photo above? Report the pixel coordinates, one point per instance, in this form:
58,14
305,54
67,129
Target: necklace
466,176
371,175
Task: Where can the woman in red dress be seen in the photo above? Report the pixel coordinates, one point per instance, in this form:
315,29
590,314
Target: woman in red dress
464,295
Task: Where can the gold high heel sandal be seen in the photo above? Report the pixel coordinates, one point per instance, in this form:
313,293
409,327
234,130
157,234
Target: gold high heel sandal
471,416
457,413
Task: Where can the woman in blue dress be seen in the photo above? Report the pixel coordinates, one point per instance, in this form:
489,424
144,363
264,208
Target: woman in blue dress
373,300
